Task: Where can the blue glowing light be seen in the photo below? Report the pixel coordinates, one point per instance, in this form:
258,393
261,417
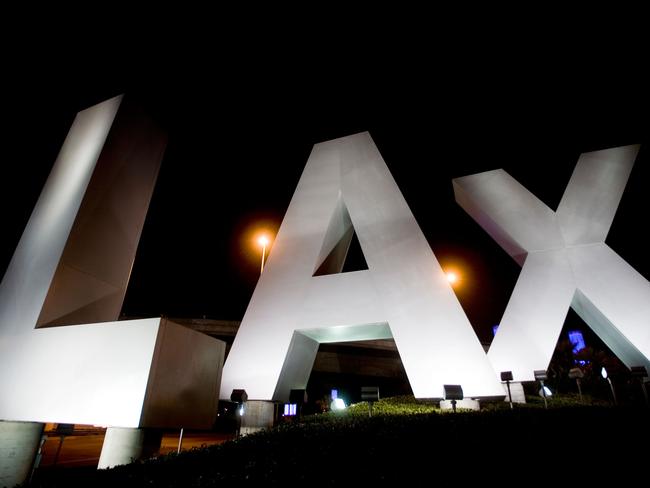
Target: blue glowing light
334,394
578,341
494,329
290,409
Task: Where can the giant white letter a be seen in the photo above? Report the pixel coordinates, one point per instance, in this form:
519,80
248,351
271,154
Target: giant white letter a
404,294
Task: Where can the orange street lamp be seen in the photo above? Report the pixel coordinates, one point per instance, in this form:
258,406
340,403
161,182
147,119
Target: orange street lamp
452,277
263,241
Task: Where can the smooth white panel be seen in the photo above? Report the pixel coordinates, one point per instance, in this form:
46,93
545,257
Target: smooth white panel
518,215
616,299
533,319
589,203
86,374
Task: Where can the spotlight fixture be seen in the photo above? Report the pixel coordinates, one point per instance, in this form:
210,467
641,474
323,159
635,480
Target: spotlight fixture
453,393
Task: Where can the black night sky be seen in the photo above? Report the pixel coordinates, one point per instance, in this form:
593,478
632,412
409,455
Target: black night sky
239,139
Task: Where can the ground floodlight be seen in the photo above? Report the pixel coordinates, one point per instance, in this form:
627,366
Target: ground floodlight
576,373
545,391
370,394
507,377
338,404
238,396
540,374
453,393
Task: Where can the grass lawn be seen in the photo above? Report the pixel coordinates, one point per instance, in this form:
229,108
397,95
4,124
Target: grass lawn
408,440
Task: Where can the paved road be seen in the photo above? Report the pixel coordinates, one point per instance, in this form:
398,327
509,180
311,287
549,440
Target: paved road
83,449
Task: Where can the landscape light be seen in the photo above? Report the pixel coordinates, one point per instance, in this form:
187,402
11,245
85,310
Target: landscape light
338,404
545,391
603,373
507,377
239,396
370,394
576,373
453,393
540,375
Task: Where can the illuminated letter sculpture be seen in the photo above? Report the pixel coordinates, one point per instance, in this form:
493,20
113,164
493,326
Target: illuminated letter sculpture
72,266
403,294
565,262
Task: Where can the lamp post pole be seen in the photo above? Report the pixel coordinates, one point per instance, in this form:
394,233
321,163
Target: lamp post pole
263,241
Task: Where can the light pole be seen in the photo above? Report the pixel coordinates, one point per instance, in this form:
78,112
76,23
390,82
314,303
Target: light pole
263,241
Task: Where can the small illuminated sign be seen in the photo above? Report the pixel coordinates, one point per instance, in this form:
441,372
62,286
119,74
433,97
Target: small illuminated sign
290,409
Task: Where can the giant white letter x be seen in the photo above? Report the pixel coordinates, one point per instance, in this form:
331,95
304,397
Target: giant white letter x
565,262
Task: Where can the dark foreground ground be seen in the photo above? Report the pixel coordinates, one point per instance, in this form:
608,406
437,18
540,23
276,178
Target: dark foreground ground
527,445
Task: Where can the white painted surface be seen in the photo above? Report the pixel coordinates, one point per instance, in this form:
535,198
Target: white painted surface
129,373
516,392
403,293
565,263
33,265
19,442
86,374
121,446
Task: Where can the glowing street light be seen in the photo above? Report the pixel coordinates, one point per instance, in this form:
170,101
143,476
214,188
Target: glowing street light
452,277
263,241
